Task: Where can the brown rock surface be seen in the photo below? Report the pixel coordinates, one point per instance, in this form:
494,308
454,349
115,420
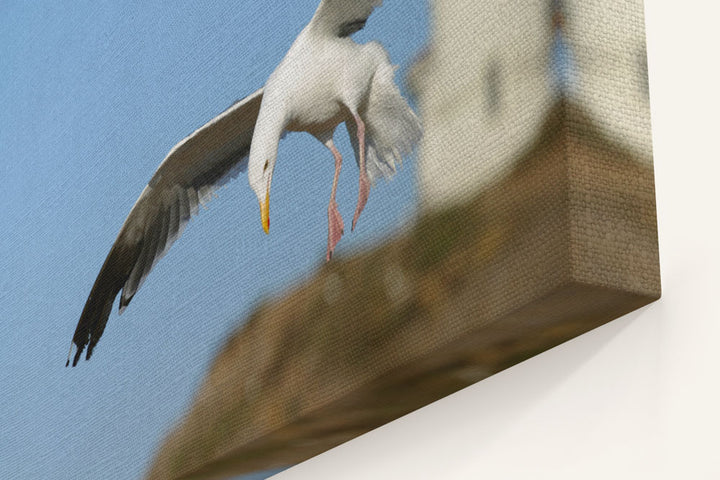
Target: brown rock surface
564,243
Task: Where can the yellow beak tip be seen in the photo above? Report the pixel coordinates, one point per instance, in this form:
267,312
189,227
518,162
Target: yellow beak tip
265,213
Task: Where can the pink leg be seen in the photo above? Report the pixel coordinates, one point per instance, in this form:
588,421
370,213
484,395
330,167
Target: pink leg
335,222
364,189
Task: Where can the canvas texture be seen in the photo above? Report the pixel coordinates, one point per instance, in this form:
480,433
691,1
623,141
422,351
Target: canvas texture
522,216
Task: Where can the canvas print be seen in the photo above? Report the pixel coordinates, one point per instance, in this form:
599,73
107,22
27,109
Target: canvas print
457,186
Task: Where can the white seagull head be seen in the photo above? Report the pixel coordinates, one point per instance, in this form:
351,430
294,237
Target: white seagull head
260,175
261,163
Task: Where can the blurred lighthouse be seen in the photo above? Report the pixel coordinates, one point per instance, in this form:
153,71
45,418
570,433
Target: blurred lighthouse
494,69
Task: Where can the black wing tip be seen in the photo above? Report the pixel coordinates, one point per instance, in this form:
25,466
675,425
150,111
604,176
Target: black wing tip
124,302
78,353
99,304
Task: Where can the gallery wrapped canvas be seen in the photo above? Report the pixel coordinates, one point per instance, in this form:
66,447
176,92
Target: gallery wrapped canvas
488,196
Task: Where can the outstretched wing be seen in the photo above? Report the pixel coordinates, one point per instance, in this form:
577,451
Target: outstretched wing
342,18
194,168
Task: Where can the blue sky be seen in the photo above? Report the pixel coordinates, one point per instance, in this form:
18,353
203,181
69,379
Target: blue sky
94,94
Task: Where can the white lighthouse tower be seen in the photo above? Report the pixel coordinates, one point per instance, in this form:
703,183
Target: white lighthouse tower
494,69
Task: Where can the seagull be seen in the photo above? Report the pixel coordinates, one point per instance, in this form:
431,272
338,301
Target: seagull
325,79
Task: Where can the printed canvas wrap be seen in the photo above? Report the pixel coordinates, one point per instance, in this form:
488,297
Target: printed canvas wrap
505,150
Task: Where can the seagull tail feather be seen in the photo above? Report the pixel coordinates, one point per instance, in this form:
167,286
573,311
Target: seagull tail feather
393,129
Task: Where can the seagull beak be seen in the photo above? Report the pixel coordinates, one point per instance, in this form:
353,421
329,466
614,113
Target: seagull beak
265,213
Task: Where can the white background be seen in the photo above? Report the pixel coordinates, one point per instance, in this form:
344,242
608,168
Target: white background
637,398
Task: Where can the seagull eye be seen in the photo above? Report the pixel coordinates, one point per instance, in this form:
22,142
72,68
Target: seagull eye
265,166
